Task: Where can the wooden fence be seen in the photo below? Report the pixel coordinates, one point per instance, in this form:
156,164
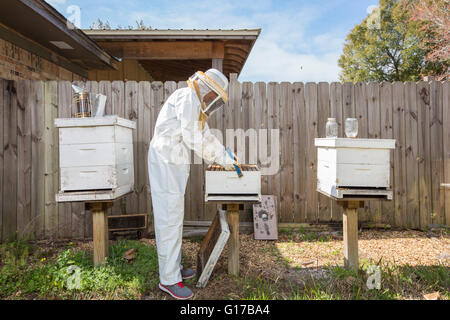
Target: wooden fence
417,115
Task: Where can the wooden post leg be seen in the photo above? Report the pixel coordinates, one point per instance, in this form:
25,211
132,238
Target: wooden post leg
233,242
350,225
99,232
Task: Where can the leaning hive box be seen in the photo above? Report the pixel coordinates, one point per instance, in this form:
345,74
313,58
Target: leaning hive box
226,186
95,158
348,167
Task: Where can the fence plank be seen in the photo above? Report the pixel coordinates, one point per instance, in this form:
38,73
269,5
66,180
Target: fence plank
118,108
10,162
287,152
412,169
3,105
143,101
323,113
37,164
21,157
299,144
399,154
24,223
105,88
374,132
416,115
64,111
247,109
93,87
348,105
336,111
386,110
261,125
51,160
311,160
251,143
79,229
131,113
437,154
446,137
273,117
363,131
423,143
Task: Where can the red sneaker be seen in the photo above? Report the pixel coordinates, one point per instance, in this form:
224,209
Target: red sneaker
178,291
187,273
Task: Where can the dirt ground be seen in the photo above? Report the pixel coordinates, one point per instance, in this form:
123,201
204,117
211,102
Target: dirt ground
296,254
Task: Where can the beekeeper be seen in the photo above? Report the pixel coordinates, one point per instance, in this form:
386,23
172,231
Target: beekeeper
181,127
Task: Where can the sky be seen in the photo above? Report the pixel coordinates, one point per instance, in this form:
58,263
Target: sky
301,40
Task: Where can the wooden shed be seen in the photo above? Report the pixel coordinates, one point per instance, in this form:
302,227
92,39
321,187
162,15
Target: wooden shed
172,55
38,43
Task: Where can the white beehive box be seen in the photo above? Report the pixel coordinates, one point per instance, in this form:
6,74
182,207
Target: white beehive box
226,186
348,167
95,158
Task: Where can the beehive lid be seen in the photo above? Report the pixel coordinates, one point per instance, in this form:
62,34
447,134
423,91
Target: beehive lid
94,121
355,143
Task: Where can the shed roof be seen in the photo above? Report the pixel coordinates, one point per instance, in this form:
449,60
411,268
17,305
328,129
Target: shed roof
174,54
43,24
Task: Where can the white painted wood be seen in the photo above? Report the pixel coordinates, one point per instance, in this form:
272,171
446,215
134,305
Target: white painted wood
109,120
88,178
355,194
363,156
357,175
349,164
226,185
228,182
355,143
104,195
232,198
218,248
86,135
95,154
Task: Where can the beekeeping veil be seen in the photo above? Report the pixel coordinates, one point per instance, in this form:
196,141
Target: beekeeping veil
203,83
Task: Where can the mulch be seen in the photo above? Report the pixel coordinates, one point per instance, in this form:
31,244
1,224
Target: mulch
277,259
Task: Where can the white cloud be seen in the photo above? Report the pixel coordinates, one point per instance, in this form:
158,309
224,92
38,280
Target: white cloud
269,62
285,50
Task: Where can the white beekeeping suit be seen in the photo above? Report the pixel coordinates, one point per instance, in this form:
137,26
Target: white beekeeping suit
181,127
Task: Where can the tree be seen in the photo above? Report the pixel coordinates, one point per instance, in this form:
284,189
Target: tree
384,47
434,19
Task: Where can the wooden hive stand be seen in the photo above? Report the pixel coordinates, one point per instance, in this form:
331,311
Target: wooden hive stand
225,188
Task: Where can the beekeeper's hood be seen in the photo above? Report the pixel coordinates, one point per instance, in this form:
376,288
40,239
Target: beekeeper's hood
203,83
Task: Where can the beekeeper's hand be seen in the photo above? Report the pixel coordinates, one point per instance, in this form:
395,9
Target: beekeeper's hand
227,162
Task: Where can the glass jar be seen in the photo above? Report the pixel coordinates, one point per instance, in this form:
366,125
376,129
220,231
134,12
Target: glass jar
331,128
351,127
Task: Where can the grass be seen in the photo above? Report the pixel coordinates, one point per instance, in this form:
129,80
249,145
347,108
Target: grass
405,282
29,273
